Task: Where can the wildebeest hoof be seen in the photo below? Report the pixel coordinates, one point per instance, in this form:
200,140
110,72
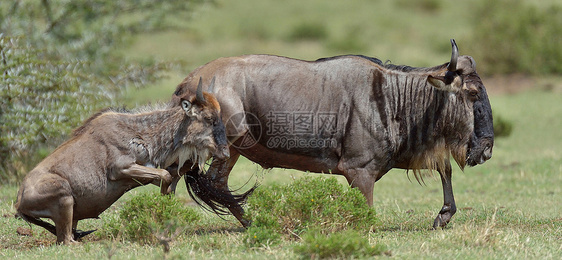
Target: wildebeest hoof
77,234
442,219
439,222
444,216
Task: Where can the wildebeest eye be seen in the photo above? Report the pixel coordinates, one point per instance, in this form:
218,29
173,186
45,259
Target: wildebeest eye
186,105
473,93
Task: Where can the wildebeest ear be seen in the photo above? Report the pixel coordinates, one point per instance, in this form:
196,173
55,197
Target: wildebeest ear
445,83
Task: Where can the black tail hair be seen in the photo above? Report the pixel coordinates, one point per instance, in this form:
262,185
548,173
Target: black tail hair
201,189
77,234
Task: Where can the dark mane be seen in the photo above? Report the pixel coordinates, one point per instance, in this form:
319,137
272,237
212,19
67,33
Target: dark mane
387,64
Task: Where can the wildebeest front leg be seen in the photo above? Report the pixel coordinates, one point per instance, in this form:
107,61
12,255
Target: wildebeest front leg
363,180
219,172
449,208
176,175
158,177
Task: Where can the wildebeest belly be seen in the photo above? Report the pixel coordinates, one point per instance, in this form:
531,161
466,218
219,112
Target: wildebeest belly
269,158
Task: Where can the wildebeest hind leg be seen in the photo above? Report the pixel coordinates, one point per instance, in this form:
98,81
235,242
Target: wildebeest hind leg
449,208
48,196
63,220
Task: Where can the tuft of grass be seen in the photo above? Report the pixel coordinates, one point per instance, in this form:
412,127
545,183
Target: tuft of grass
346,244
310,203
261,237
149,218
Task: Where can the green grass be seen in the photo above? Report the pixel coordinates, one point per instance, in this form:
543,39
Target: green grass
507,208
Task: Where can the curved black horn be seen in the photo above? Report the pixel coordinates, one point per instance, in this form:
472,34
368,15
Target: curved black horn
199,94
454,57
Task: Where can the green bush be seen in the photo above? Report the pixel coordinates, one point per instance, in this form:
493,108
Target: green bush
308,31
59,64
310,203
346,244
147,214
502,127
512,36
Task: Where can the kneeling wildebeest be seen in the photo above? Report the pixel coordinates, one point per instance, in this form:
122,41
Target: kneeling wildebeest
350,115
113,153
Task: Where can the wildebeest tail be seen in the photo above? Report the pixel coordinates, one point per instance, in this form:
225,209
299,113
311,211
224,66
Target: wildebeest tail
48,226
201,189
77,234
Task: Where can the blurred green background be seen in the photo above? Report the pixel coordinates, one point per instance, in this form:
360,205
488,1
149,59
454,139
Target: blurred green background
505,37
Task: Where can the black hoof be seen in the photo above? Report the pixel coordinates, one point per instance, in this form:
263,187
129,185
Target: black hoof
79,233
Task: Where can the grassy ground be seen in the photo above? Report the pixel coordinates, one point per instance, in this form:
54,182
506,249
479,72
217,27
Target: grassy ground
509,208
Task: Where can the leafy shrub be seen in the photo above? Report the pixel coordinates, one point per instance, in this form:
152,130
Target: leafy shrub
310,203
59,63
308,31
149,213
346,244
502,127
511,36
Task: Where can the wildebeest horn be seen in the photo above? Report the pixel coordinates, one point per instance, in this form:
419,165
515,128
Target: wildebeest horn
199,94
212,86
454,57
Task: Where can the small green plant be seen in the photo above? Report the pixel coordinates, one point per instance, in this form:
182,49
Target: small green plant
310,203
502,127
261,236
346,244
148,216
308,31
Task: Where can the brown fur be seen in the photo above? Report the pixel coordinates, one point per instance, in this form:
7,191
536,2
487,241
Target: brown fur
115,152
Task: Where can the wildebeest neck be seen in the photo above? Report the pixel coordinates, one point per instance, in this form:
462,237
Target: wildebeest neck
161,135
424,125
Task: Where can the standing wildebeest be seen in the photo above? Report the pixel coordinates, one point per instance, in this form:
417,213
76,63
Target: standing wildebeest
351,115
116,152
